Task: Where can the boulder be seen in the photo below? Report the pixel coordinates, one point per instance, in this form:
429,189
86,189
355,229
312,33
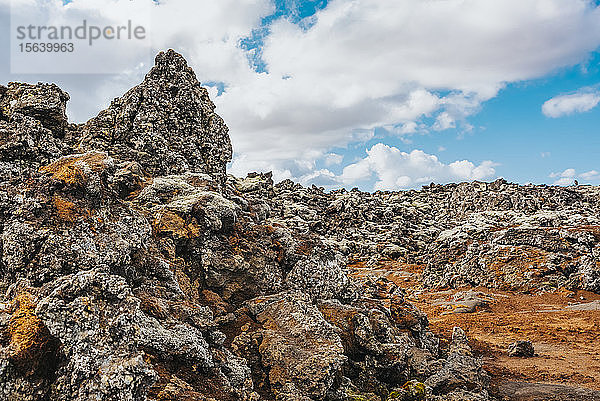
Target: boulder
167,124
522,349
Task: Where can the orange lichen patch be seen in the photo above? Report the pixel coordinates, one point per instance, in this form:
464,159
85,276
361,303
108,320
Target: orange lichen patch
245,241
517,260
305,247
356,264
338,315
30,340
71,169
68,211
170,223
403,315
190,288
343,318
214,302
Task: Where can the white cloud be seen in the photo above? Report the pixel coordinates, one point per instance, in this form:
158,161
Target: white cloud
333,159
444,121
371,63
591,175
564,181
393,169
208,33
564,105
568,177
568,173
410,127
363,64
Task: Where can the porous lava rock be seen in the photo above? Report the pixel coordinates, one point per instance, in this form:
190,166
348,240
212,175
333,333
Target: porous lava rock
167,124
133,268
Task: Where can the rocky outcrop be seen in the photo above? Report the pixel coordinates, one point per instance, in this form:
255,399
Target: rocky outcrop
498,235
133,268
167,124
46,103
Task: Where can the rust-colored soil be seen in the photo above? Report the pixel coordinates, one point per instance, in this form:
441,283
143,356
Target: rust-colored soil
566,342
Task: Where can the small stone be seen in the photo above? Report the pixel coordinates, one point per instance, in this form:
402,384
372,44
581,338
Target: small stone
523,349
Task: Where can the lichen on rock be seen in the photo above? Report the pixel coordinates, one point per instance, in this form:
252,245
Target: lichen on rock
167,124
153,275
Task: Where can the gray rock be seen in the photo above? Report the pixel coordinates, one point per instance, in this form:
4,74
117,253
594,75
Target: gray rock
45,103
460,371
93,315
167,124
25,146
523,349
322,277
300,350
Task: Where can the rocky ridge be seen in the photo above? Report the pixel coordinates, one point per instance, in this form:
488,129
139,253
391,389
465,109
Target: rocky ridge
497,235
133,268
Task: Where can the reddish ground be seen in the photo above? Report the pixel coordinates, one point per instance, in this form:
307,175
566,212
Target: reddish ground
566,342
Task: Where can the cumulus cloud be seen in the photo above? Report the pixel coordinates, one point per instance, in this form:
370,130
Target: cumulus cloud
363,64
568,177
333,159
564,105
393,169
591,175
357,66
208,33
370,63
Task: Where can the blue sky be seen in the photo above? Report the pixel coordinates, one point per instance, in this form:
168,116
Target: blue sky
380,94
509,129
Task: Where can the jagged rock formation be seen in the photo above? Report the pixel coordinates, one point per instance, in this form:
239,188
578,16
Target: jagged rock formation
46,103
498,235
167,124
32,123
133,268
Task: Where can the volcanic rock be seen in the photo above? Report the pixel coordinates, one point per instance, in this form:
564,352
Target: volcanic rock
523,349
132,267
167,124
45,103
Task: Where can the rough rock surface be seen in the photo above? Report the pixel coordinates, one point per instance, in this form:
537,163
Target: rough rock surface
46,103
133,268
522,349
167,124
497,235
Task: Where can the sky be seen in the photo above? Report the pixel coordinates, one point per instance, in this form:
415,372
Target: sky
375,94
